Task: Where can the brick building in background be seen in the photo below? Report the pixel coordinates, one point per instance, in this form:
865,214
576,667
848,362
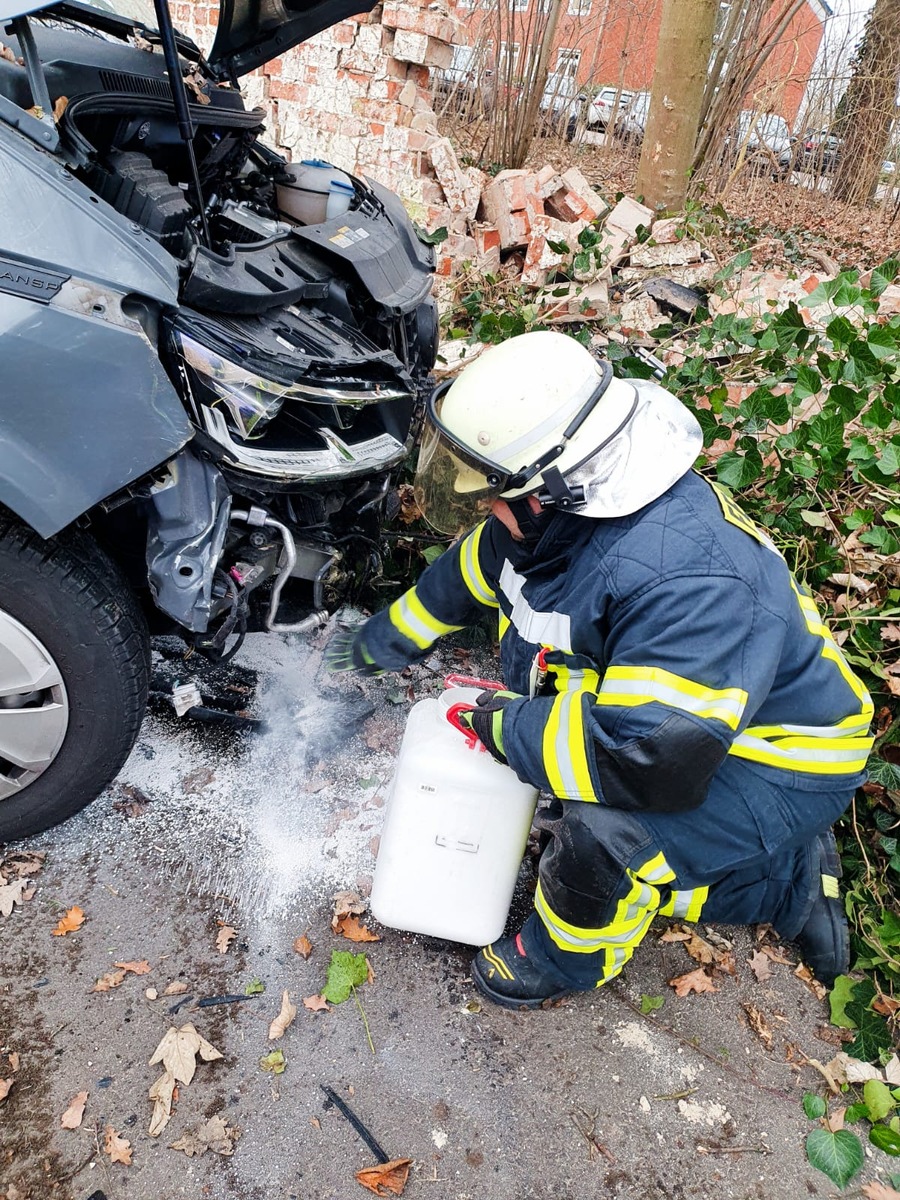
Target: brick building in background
613,43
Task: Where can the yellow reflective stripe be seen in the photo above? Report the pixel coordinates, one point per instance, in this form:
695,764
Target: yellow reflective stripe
735,516
497,962
503,623
576,939
470,569
688,904
816,756
656,870
830,887
629,687
574,679
564,749
832,652
410,617
847,728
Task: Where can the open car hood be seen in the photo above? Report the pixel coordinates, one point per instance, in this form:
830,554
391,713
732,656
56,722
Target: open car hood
251,32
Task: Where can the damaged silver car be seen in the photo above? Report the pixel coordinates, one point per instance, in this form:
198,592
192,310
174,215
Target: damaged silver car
212,364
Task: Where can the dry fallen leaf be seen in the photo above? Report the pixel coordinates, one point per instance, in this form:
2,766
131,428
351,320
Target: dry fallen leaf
759,965
136,968
5,1085
354,931
777,955
819,990
12,894
879,1191
162,1093
14,1061
303,946
176,988
693,981
73,920
834,1121
315,1003
698,948
676,933
284,1018
225,937
111,980
346,904
178,1052
118,1148
151,993
59,107
315,1122
391,1176
7,53
74,1114
891,1070
213,1134
22,863
370,974
759,1024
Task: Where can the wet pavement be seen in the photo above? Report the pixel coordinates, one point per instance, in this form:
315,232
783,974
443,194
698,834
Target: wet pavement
210,826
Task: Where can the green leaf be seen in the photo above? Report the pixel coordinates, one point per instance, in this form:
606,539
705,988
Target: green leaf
650,1004
889,930
273,1062
889,461
738,470
872,1033
883,772
838,1155
878,1098
814,1106
558,247
885,1139
882,539
435,238
809,382
884,276
839,997
882,341
817,519
856,1112
254,988
346,971
430,553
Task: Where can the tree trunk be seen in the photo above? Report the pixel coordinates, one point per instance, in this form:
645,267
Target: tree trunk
682,60
871,105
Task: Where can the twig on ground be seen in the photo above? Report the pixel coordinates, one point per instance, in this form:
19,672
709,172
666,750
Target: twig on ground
348,1113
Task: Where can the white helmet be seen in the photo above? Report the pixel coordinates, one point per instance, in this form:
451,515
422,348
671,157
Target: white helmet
538,414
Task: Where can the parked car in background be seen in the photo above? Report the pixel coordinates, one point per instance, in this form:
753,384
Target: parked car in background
559,100
598,111
632,121
762,136
815,151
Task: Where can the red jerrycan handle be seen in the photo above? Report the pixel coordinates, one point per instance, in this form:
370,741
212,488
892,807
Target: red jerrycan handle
472,681
453,713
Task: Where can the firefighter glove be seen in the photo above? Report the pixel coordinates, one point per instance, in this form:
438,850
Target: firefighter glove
347,652
486,720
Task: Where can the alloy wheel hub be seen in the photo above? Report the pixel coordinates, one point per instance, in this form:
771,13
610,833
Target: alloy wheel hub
34,708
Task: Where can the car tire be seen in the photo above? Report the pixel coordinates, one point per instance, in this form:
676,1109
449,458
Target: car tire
69,626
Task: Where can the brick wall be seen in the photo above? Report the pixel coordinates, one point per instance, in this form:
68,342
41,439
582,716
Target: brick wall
356,95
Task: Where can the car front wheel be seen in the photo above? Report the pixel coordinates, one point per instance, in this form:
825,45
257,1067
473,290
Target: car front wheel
74,664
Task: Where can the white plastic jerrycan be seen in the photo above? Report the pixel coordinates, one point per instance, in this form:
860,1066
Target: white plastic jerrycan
456,824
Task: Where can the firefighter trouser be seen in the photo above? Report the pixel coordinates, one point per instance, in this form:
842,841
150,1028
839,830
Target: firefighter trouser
746,856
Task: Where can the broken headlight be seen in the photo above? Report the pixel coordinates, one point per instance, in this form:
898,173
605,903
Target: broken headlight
249,400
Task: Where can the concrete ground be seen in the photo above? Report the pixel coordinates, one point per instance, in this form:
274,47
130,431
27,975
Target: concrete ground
258,831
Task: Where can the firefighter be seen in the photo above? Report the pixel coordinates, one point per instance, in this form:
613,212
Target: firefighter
671,686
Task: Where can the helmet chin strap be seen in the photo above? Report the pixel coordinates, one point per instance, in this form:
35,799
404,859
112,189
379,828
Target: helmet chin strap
531,524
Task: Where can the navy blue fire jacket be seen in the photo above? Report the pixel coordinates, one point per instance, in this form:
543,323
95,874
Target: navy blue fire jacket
672,638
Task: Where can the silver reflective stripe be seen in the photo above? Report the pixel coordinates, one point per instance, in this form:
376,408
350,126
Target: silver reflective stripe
797,754
860,725
659,874
563,754
539,628
674,697
683,902
646,896
597,941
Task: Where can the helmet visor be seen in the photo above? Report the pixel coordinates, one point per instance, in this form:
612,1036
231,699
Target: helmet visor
451,494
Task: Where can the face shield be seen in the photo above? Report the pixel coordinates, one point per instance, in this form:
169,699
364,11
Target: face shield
454,485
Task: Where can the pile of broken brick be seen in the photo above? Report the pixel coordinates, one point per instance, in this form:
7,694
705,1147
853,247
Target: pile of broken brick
641,271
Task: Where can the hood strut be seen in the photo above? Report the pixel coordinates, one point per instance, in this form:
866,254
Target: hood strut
179,95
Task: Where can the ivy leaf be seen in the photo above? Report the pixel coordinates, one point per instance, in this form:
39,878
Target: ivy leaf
840,996
856,1112
885,1139
650,1004
884,276
878,1098
838,1155
435,238
254,988
882,341
345,972
872,1033
889,460
882,539
430,553
738,470
814,1106
889,930
809,382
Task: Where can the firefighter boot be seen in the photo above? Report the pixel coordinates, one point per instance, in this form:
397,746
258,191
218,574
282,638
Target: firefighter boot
824,940
506,973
